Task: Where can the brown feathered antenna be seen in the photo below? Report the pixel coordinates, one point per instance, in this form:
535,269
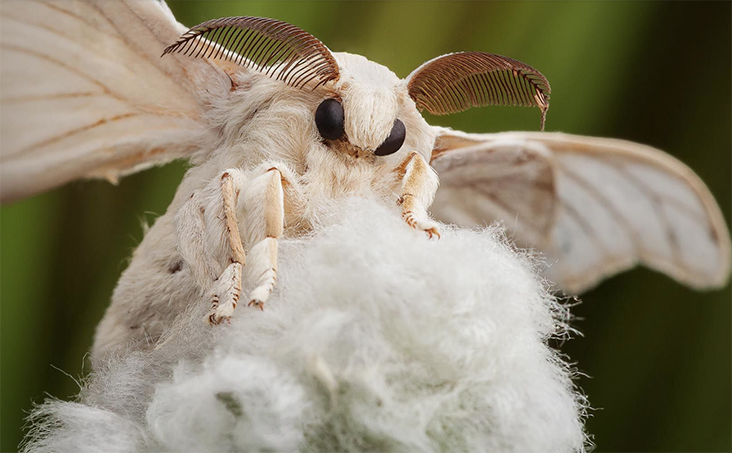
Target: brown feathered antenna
455,82
276,48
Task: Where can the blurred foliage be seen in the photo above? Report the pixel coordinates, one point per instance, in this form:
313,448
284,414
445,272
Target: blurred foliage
658,355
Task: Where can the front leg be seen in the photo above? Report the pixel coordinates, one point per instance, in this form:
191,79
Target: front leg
210,244
227,289
263,205
208,227
419,184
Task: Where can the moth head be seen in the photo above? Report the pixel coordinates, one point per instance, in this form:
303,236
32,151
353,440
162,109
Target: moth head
371,98
357,101
361,107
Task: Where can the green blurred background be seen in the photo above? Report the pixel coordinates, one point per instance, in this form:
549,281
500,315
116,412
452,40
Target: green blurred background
658,355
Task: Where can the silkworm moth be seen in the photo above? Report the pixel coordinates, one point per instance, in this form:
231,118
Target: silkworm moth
274,123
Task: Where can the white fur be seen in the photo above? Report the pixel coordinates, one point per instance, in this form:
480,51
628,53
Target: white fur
262,124
375,339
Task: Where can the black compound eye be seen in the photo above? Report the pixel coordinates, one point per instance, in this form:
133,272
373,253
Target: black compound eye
329,119
394,141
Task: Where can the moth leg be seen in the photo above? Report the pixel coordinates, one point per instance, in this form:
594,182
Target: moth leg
209,242
227,289
192,239
419,184
225,295
264,207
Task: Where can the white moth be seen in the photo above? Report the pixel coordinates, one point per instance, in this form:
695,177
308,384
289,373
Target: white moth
276,124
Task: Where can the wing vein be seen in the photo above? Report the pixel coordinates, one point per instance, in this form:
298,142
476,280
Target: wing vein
657,203
44,97
605,203
56,62
147,109
575,215
119,36
68,13
35,146
58,33
506,207
643,161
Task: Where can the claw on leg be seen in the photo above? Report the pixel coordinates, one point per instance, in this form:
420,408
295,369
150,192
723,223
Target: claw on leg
424,224
433,232
416,216
257,303
226,295
220,315
266,284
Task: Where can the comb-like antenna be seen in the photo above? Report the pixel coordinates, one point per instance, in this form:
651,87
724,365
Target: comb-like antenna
270,46
455,82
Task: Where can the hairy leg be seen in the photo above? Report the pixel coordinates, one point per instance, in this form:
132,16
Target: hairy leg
419,184
208,228
210,243
264,213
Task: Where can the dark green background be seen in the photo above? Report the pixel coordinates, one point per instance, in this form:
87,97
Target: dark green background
659,355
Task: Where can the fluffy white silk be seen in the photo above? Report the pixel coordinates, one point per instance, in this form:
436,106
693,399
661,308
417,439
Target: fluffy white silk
376,339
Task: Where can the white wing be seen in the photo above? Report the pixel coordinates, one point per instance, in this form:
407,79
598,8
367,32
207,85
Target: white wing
84,92
593,206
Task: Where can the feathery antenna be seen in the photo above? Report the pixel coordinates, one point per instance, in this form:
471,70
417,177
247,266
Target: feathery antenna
458,81
275,48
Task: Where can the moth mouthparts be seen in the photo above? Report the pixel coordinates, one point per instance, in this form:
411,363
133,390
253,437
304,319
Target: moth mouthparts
344,147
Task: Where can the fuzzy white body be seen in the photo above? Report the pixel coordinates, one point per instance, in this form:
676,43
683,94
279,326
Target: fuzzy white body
263,125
